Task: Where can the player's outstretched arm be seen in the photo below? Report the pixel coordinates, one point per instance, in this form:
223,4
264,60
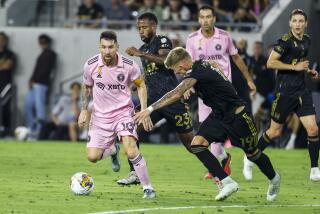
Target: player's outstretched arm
84,114
167,99
244,70
142,93
275,63
156,58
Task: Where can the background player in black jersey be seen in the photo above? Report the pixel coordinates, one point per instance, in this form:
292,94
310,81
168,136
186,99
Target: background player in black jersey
231,119
289,57
159,80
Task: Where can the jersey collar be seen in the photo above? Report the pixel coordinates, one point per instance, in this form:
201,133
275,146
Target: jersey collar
215,35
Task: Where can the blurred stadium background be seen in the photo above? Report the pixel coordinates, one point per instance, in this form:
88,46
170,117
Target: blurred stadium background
74,33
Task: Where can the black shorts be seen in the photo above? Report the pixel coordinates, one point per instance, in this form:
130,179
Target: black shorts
177,115
241,131
284,104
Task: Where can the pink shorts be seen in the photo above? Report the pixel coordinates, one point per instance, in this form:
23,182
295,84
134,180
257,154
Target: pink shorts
203,110
103,136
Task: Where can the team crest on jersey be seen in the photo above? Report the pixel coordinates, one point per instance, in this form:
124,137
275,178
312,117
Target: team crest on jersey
120,77
99,72
218,47
163,40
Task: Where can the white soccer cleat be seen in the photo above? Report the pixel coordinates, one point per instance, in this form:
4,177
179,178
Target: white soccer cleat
315,174
149,193
131,179
274,188
115,159
226,188
247,168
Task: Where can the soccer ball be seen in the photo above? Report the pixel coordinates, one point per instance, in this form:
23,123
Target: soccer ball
21,133
81,183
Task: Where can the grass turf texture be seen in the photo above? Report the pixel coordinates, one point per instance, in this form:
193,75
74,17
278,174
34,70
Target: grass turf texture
35,179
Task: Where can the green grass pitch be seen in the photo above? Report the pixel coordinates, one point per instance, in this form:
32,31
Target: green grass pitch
35,179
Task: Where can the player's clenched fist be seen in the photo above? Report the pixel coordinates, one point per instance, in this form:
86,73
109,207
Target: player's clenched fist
83,119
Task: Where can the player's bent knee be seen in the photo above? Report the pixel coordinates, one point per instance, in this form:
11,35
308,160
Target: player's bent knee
253,156
93,158
313,131
273,133
199,141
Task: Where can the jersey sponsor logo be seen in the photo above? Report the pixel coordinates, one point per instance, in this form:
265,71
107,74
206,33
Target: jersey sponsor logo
127,61
120,77
93,60
211,57
100,85
218,47
116,87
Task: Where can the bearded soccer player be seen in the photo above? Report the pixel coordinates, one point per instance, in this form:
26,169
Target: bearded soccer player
212,43
231,119
108,76
159,80
289,57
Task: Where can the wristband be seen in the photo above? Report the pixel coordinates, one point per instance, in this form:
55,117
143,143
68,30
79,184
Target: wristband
150,108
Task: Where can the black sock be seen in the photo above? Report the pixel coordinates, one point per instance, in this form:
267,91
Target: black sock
264,164
264,142
129,162
209,161
313,146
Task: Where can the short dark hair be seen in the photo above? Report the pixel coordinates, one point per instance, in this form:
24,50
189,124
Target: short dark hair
45,38
298,12
109,35
149,16
6,38
75,84
207,7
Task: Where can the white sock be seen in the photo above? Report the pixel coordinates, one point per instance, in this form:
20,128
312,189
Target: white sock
292,140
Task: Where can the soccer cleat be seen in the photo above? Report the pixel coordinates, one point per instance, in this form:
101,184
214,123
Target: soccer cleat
315,174
131,179
115,160
149,193
226,188
274,188
247,168
226,164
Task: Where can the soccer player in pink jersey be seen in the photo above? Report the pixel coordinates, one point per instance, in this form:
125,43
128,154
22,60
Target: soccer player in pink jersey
213,44
107,78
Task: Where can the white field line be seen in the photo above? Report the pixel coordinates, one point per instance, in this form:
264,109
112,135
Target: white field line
207,207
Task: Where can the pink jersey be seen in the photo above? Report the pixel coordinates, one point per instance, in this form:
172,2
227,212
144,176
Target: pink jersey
218,48
111,87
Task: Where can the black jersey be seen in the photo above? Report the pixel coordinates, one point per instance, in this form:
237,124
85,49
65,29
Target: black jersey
215,89
158,78
292,51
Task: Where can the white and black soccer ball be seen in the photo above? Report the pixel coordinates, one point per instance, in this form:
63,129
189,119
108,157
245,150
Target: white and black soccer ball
81,183
21,133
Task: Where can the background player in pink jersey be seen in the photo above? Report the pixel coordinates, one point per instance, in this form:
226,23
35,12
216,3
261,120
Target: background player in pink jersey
107,77
214,44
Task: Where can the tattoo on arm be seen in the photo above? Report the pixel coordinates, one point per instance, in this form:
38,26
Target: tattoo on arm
175,94
86,96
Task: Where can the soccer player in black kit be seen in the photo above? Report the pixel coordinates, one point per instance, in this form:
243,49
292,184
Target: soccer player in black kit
289,57
230,119
159,80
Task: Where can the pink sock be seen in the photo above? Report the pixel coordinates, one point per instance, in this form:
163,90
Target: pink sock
109,151
218,151
140,166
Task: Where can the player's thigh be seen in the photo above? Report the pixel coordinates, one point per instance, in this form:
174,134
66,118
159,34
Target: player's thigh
242,132
212,130
100,138
310,124
282,106
179,117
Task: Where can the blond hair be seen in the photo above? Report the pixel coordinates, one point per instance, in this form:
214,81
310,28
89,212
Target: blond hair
175,56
